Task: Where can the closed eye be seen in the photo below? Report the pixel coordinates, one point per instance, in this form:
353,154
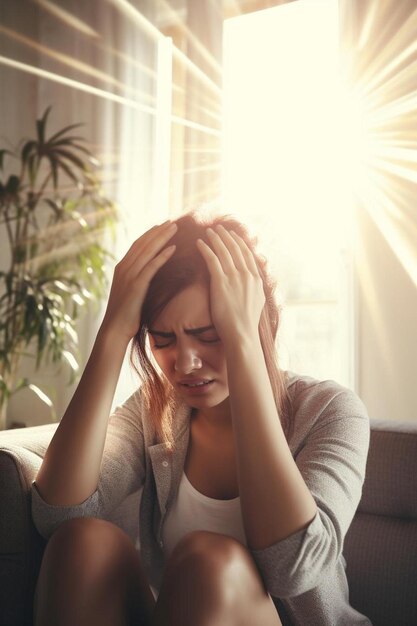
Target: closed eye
159,346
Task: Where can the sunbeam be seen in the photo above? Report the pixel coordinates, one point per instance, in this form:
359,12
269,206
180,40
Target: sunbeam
386,147
67,18
76,64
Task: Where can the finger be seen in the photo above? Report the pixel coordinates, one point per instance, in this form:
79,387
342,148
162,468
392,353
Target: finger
246,252
155,264
146,236
153,234
233,247
144,253
222,252
159,238
213,264
143,240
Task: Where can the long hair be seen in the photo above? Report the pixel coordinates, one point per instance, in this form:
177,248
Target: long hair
187,267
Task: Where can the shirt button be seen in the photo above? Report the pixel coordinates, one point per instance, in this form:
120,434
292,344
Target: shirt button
161,543
165,463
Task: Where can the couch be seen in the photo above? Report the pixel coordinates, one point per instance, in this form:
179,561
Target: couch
380,548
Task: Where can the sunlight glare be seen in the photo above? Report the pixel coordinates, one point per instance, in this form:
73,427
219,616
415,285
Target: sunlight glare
282,147
304,142
289,157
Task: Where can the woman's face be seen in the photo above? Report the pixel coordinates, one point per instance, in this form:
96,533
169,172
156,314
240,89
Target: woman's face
188,350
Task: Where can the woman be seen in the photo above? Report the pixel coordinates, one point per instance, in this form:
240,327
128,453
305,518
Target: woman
251,475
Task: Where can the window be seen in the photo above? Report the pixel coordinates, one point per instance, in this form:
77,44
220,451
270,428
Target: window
282,174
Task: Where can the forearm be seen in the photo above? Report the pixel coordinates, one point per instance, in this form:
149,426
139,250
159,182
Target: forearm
274,498
70,470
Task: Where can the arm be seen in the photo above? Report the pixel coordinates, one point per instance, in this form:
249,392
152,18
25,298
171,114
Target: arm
275,500
332,440
295,511
71,467
121,474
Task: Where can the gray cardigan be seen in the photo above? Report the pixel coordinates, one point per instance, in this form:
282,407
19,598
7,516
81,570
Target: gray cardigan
305,572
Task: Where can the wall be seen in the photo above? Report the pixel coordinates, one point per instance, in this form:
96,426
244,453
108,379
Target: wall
381,57
110,51
387,328
387,294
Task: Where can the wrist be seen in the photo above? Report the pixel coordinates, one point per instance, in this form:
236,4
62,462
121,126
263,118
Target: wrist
110,337
243,345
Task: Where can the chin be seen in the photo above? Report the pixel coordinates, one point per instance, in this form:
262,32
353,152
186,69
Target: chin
205,403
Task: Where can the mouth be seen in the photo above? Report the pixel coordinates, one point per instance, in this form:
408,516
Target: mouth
195,383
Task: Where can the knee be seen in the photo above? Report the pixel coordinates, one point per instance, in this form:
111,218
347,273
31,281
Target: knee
217,559
213,574
214,548
88,544
90,566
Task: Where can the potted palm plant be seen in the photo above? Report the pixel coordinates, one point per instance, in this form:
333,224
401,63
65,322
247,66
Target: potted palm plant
54,218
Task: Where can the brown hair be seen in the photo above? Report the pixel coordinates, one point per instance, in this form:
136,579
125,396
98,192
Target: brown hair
187,267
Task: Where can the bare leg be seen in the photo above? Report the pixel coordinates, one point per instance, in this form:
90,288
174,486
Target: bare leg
91,574
212,580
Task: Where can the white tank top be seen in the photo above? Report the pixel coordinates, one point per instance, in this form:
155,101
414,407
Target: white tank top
193,510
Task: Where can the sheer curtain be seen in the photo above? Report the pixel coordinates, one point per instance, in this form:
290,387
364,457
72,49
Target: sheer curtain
145,79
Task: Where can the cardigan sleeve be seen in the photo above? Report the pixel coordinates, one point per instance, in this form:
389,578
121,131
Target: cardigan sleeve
122,471
332,461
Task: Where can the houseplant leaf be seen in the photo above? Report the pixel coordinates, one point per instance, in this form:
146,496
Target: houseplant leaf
55,241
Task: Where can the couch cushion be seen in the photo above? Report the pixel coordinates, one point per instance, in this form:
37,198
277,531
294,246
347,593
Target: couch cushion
21,547
391,471
381,556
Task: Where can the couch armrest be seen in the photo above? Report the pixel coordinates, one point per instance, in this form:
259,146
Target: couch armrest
391,470
381,544
21,546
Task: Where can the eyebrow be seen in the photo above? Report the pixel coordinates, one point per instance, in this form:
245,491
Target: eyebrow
188,331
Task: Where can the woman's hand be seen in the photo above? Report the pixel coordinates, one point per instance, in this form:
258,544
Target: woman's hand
236,289
131,279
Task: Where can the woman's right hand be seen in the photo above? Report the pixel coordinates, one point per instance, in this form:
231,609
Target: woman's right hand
131,279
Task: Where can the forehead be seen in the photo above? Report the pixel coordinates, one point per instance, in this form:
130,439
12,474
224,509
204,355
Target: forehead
189,308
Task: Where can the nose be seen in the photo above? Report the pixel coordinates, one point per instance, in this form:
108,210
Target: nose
187,360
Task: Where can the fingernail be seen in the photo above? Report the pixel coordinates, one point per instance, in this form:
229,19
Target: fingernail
210,231
222,229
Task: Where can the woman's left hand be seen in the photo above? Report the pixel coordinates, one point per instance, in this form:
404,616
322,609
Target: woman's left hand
236,289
